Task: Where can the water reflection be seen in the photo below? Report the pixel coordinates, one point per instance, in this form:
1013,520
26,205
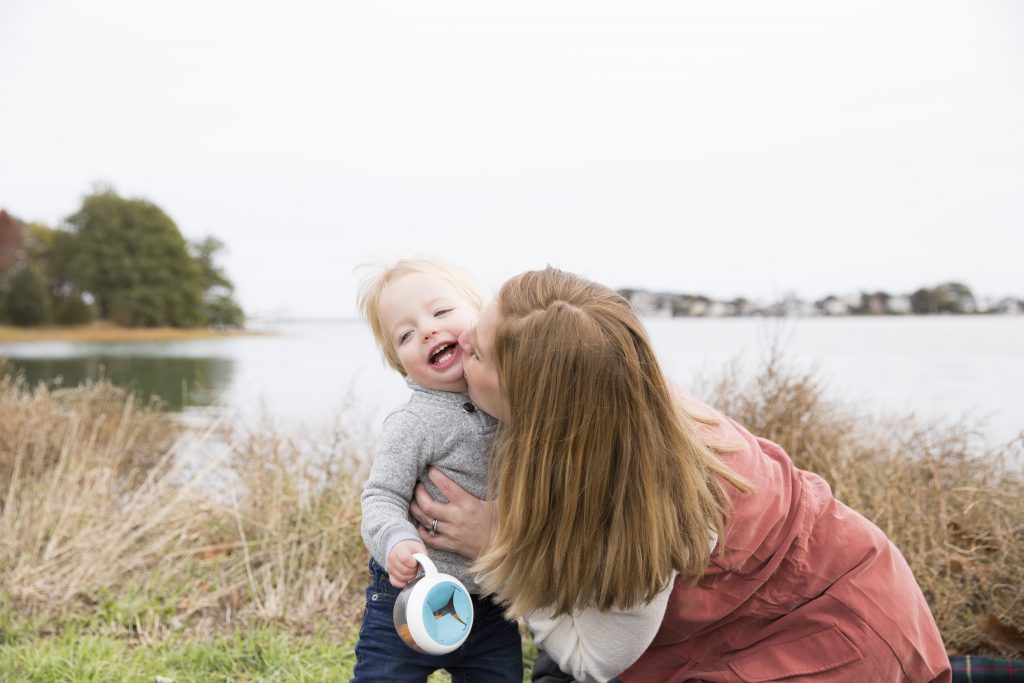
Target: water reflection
179,382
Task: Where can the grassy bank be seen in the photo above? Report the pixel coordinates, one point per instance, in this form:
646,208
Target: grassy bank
132,547
107,332
264,653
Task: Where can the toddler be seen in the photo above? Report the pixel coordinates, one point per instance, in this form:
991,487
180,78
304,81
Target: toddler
417,308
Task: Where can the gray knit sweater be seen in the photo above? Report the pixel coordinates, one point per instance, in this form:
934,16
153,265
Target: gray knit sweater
439,428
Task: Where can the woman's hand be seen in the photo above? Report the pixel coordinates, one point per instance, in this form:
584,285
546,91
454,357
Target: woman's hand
463,524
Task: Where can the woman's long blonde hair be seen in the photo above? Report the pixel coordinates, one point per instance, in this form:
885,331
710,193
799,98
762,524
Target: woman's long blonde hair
602,485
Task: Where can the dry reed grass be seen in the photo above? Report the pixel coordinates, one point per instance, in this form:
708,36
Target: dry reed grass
39,427
103,497
295,515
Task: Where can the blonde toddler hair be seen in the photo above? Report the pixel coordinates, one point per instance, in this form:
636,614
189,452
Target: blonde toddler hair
378,276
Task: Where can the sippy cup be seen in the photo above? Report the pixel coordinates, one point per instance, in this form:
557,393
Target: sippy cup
433,614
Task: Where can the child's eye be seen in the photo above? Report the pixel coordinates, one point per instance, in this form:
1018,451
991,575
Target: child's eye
405,335
442,311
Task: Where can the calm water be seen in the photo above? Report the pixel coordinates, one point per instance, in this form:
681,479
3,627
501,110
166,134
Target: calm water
942,366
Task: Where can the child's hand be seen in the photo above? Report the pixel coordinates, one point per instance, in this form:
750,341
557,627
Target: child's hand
401,563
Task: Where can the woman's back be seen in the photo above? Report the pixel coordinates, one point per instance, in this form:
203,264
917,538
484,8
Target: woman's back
799,583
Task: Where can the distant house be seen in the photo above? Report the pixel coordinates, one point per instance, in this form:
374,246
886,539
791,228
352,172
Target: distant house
721,309
791,306
1010,306
875,304
699,308
12,241
900,304
649,305
986,304
832,305
742,307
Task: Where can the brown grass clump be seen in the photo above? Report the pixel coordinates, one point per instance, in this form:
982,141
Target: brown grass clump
105,503
85,488
100,419
953,504
297,556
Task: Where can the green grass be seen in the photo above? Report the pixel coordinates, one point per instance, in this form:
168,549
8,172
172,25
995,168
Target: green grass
101,647
255,654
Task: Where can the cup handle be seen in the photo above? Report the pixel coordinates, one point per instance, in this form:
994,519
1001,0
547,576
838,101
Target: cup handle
428,564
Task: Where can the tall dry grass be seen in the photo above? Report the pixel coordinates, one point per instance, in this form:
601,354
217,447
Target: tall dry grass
106,503
102,500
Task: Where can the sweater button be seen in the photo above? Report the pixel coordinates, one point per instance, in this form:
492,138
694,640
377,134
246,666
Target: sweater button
469,407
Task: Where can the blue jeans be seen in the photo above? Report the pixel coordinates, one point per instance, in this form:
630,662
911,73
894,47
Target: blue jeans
491,654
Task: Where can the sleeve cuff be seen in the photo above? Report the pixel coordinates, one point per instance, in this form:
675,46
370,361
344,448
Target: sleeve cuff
395,535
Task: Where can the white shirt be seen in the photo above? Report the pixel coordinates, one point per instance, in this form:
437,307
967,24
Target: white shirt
597,646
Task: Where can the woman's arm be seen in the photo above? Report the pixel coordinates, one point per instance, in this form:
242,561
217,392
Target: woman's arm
463,523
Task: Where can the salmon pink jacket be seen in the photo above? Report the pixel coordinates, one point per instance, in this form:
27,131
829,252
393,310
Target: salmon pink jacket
800,588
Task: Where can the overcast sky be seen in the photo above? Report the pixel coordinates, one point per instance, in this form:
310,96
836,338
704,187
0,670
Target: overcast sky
727,148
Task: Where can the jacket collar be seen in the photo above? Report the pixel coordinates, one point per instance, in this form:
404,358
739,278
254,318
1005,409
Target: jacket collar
453,397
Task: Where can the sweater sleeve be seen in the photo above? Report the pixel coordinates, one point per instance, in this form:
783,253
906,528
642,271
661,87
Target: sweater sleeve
402,453
597,646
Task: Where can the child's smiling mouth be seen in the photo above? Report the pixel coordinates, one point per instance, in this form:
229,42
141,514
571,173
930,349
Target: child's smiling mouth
443,355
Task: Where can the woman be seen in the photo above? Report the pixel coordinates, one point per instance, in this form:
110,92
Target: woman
646,536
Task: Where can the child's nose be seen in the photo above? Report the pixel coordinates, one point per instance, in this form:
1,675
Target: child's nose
427,334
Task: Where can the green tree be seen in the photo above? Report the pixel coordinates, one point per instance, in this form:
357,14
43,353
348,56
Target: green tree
955,297
28,301
219,305
740,306
949,297
131,258
49,251
923,301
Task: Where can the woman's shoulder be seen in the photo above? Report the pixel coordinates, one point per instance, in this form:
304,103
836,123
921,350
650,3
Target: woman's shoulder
711,423
693,405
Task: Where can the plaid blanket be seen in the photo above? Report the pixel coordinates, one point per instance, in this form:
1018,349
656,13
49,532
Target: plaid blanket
971,669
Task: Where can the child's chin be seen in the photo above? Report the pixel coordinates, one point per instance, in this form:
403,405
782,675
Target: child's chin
451,379
456,379
458,384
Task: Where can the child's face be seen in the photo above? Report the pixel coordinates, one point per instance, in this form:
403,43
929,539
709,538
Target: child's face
423,316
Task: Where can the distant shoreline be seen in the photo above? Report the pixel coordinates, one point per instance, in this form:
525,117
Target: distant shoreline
104,332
